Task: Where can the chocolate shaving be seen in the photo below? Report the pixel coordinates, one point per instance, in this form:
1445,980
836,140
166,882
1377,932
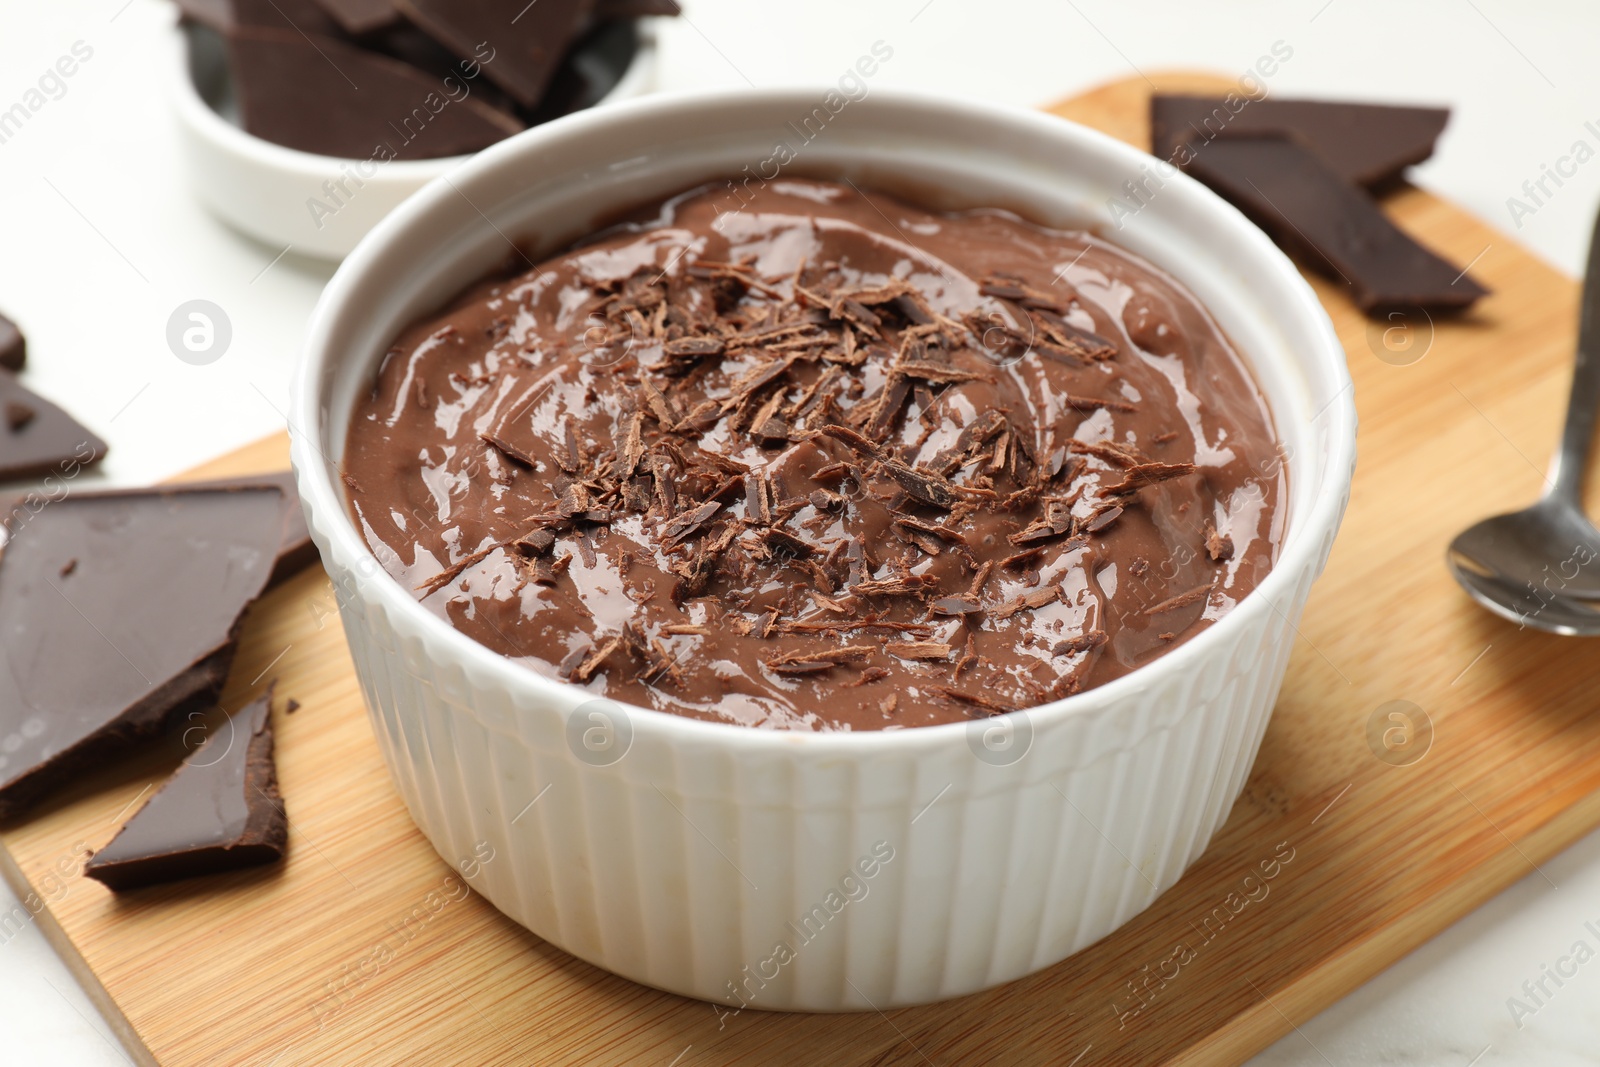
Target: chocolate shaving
1110,451
587,665
786,543
1219,546
1091,403
454,571
1082,643
920,650
570,457
1074,343
1182,600
891,401
810,662
1103,518
509,449
976,700
928,487
944,533
1036,599
665,411
955,605
1145,474
536,542
688,524
757,495
938,373
549,571
694,347
631,450
897,585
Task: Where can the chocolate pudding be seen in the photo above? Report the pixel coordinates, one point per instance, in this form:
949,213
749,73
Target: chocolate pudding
809,457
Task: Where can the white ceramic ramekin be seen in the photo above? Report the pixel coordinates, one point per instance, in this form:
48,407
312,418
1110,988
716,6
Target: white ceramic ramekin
272,193
818,871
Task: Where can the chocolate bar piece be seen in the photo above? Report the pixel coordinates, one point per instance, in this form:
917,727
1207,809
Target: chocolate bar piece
220,811
1368,144
38,439
296,551
593,66
526,46
1289,191
119,614
13,346
294,16
321,95
360,16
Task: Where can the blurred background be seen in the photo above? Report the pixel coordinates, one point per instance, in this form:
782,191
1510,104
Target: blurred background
100,239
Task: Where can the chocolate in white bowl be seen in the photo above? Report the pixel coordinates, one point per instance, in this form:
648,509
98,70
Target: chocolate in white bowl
809,457
705,857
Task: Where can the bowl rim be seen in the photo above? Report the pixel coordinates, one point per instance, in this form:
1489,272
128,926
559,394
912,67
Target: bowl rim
1298,552
196,113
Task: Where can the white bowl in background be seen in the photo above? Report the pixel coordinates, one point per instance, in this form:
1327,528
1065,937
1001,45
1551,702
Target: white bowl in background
686,861
264,189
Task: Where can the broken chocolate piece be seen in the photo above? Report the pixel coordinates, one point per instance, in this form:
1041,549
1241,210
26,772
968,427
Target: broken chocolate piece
296,551
13,346
1367,144
289,16
38,439
219,811
527,46
360,16
1292,194
320,95
135,635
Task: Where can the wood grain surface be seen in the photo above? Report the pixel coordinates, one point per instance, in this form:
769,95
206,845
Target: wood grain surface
365,948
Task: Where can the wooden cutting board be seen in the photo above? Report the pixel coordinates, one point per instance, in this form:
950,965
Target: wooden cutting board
362,949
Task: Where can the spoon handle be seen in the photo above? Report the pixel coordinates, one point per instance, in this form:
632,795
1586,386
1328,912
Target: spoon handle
1567,472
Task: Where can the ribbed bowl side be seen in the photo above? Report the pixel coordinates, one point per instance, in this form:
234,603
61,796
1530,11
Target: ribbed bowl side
792,880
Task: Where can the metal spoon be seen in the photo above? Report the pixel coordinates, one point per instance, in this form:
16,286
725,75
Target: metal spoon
1540,567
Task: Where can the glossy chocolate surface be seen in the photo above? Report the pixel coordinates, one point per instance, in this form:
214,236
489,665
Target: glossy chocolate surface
810,457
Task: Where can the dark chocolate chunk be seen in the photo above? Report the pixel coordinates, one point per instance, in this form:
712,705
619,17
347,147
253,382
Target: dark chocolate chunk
1368,144
292,16
218,812
296,551
1293,195
13,346
119,614
455,77
37,438
526,46
317,94
592,67
360,16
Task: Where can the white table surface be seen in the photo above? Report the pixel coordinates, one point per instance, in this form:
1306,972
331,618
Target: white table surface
100,240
